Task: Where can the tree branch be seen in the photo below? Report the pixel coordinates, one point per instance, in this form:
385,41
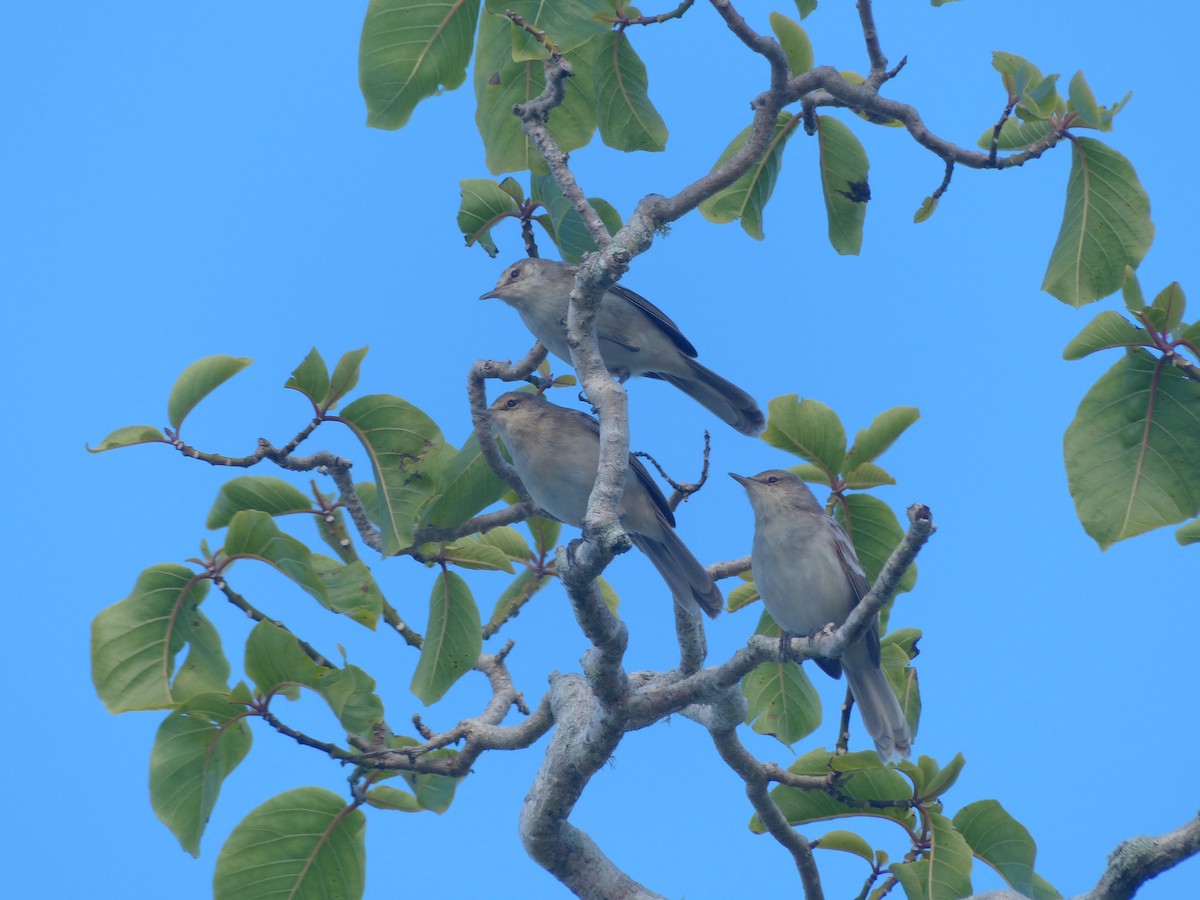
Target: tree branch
1139,859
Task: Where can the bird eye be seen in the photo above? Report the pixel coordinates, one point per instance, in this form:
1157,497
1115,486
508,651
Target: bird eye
774,479
515,273
512,402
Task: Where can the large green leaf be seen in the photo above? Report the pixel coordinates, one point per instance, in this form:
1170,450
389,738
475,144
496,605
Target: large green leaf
277,664
1133,450
484,203
1107,330
199,380
407,454
345,376
410,51
567,23
135,642
871,442
453,639
501,83
624,113
304,844
1106,225
466,486
310,378
350,589
808,429
1000,841
746,198
196,748
781,701
273,496
253,534
844,183
801,806
949,861
127,436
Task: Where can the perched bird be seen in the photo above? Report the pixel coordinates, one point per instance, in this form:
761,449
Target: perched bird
809,576
556,451
636,337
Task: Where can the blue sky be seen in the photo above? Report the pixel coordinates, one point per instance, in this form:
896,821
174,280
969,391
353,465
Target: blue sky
185,181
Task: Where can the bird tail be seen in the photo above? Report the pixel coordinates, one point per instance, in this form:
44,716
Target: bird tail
690,583
724,399
877,703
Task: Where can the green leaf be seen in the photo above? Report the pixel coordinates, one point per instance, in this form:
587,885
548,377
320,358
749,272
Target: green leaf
453,639
747,197
875,532
199,380
801,806
1106,225
847,842
1017,73
626,117
812,474
781,701
520,588
1000,841
509,542
501,83
1168,308
273,496
742,595
350,693
195,749
903,679
1107,330
345,376
865,476
311,378
795,43
471,553
484,204
913,877
1016,134
384,797
804,7
570,234
808,429
1189,533
1133,450
128,436
513,188
305,844
608,595
925,210
567,23
949,861
871,442
1082,102
944,779
466,486
434,792
135,642
1131,291
410,51
404,445
254,535
844,182
349,589
545,533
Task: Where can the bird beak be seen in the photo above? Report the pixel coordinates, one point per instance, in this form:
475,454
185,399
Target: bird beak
490,295
740,479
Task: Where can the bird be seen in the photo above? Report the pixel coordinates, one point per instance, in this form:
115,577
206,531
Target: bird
809,576
556,451
635,337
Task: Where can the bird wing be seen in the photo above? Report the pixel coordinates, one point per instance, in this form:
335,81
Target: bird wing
660,319
639,471
858,583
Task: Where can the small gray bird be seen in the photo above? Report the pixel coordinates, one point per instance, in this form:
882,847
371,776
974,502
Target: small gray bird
809,576
636,337
556,451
